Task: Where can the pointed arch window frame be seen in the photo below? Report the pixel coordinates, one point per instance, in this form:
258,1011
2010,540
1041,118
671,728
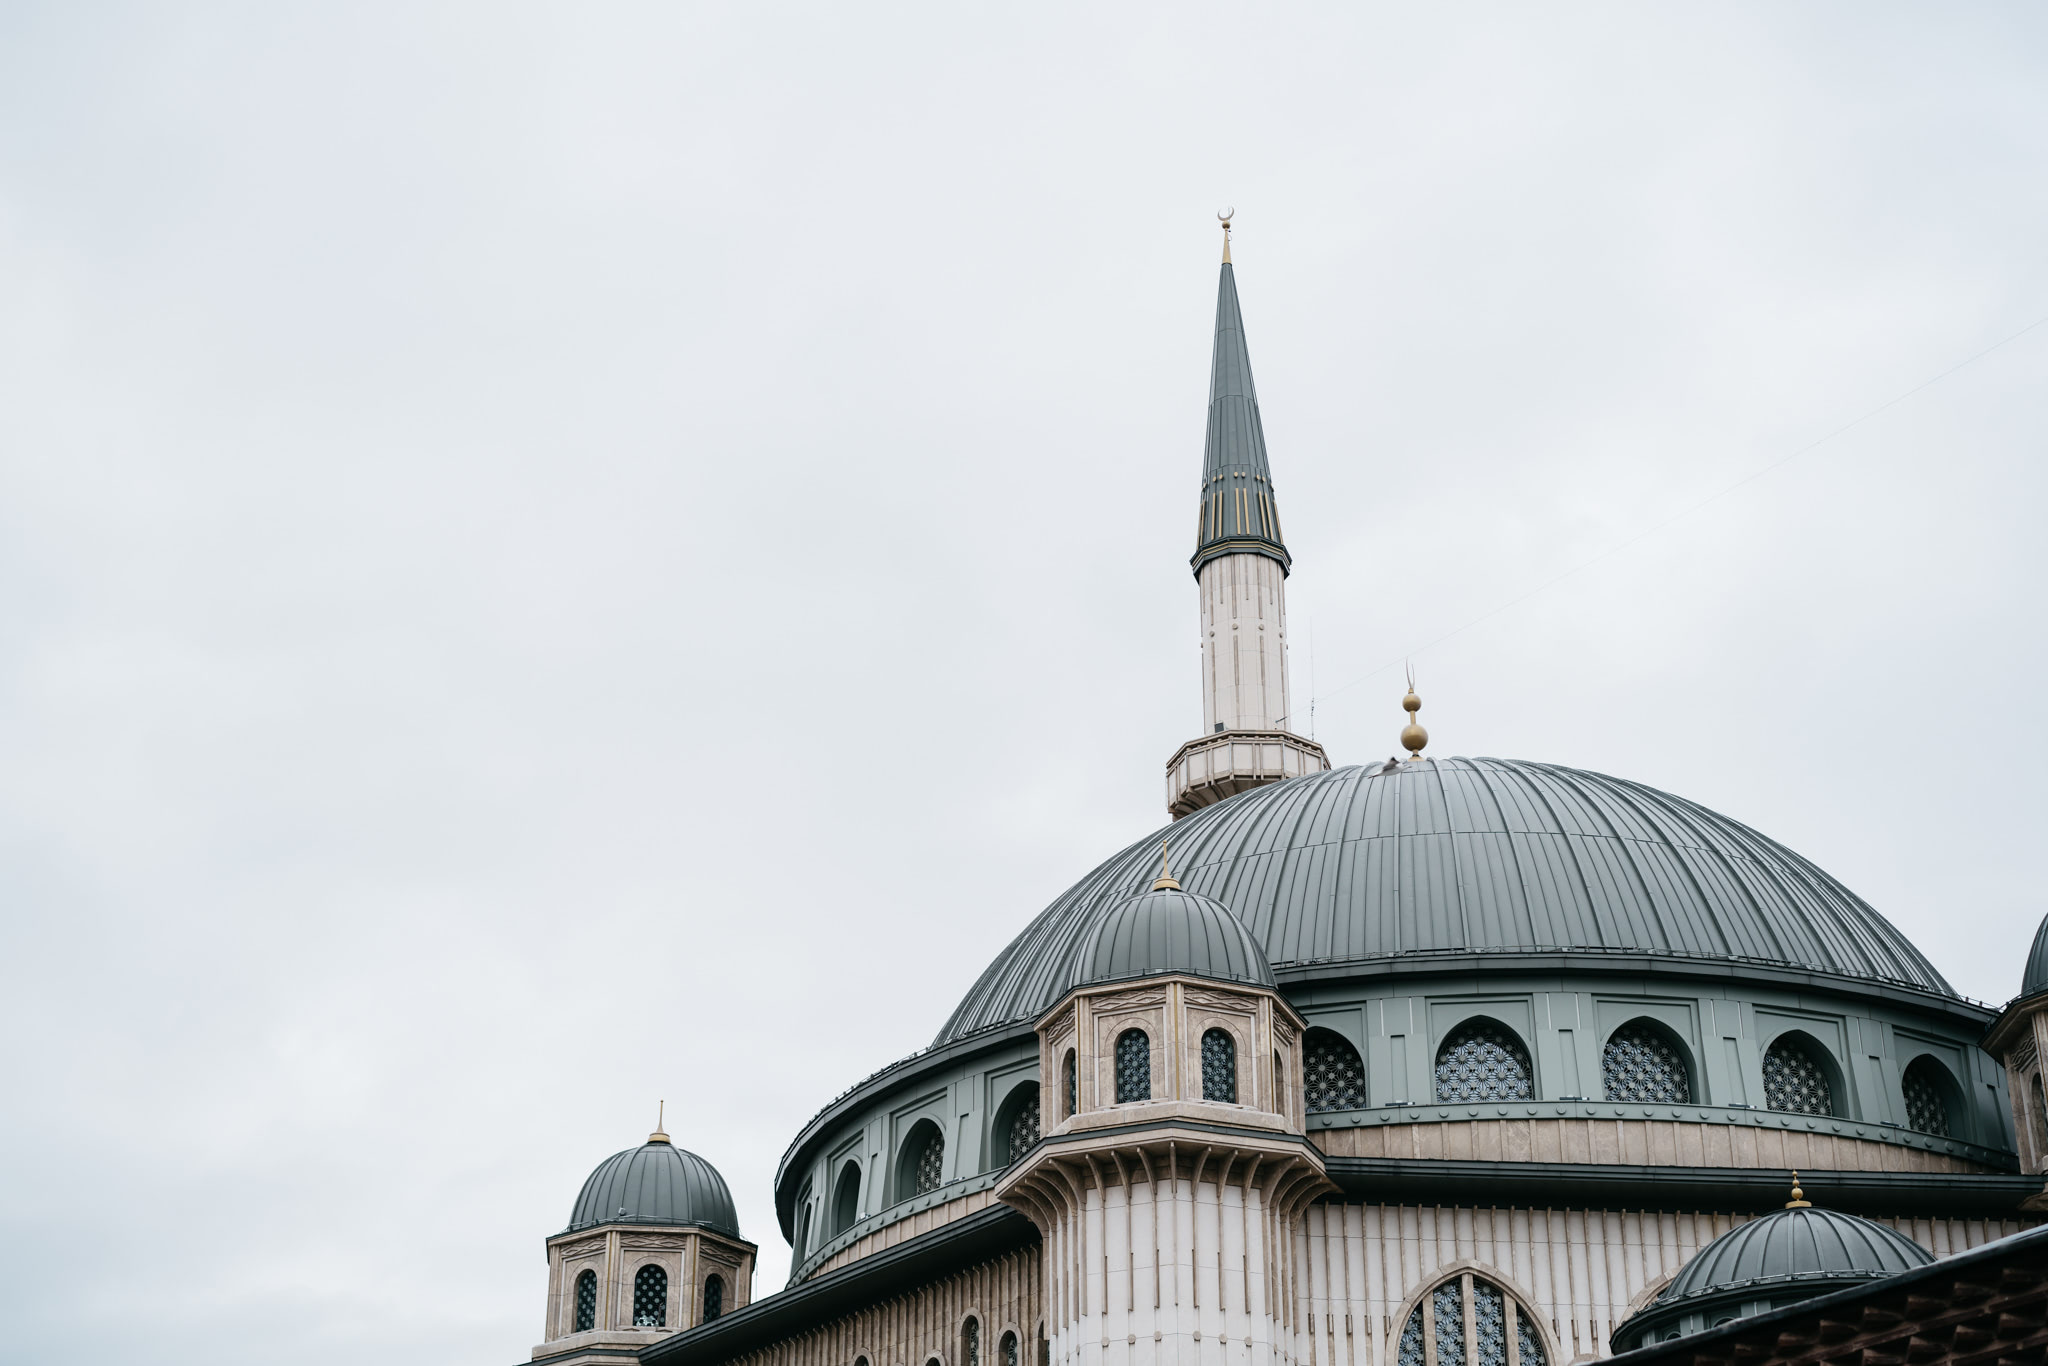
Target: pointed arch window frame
1515,1307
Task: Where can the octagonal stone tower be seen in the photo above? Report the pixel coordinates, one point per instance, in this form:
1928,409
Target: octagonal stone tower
1170,1190
1241,566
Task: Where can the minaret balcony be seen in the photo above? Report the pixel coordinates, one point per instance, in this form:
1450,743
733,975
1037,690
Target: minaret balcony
1204,771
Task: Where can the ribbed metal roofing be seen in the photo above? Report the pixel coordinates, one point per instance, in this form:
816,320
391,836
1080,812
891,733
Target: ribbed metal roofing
2036,976
1167,931
1238,511
655,1183
1445,856
1795,1244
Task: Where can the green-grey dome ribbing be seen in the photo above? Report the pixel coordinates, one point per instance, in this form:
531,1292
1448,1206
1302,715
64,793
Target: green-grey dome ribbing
2035,978
1388,862
1170,931
1238,509
655,1183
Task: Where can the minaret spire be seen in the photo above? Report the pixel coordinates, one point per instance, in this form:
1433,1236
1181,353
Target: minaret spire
1241,564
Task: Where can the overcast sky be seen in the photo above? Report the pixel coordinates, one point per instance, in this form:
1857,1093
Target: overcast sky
552,559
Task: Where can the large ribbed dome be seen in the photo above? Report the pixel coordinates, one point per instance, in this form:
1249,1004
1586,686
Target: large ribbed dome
655,1183
1445,856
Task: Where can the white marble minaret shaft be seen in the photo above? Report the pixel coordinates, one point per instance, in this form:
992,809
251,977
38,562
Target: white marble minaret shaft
1241,566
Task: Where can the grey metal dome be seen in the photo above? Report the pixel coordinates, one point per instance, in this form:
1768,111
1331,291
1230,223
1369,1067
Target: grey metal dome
1785,1256
2036,976
655,1183
1397,862
1171,931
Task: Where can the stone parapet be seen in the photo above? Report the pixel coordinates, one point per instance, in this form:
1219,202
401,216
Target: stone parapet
1204,771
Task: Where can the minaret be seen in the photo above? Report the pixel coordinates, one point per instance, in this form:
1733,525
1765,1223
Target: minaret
1241,566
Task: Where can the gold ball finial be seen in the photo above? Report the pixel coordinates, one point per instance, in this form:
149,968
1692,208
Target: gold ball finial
1413,736
1165,882
1798,1200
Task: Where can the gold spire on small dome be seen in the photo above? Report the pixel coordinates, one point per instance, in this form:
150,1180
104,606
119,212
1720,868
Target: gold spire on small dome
1165,882
660,1116
1798,1200
1224,216
1413,736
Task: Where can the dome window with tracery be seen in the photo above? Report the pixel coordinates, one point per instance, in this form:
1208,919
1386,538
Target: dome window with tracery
1640,1065
1501,1332
1333,1075
1019,1124
714,1297
1133,1067
650,1298
1795,1079
586,1302
1219,1066
1482,1060
923,1163
1926,1094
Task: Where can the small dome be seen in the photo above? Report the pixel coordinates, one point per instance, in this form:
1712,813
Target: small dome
2036,977
1786,1256
655,1183
1171,931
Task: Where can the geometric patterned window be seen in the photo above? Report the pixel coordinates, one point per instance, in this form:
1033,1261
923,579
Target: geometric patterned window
714,1297
1009,1349
1073,1087
1219,1066
2040,1117
586,1302
1334,1075
1640,1065
924,1160
1794,1080
1483,1061
1501,1333
1021,1131
1133,1067
970,1343
650,1298
1926,1098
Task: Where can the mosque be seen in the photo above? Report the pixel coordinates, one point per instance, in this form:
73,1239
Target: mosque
1425,1061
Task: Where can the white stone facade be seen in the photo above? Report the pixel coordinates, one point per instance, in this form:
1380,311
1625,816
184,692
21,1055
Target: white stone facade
1244,644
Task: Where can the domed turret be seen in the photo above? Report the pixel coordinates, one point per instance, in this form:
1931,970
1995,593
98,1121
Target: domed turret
2035,979
681,1260
1790,1255
1170,931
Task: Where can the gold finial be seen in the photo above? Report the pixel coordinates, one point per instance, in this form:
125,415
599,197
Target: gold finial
1165,882
1413,736
660,1116
1798,1200
1224,217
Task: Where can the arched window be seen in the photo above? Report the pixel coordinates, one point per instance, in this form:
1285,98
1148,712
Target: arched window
1133,1067
1437,1334
1930,1095
714,1297
803,1227
2040,1119
1219,1066
1483,1060
860,1361
846,1199
1073,1087
970,1342
922,1163
586,1301
650,1298
1333,1077
1795,1078
1009,1349
1017,1126
1641,1064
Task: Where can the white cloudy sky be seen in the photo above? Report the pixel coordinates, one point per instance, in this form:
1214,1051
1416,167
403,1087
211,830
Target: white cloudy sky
552,558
